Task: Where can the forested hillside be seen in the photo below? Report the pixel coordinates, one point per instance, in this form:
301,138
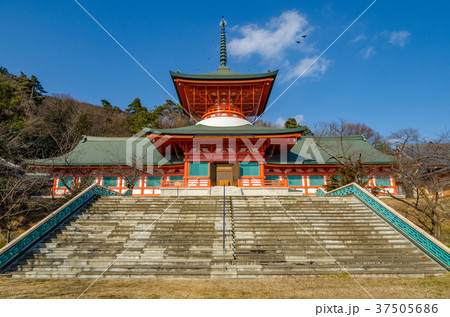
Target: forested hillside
35,125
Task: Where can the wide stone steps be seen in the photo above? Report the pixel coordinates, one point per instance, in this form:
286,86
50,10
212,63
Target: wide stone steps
350,232
161,237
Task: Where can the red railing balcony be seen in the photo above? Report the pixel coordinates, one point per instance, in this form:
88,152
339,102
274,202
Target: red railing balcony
174,183
275,183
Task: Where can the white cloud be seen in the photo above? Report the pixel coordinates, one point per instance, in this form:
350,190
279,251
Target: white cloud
317,69
399,38
368,52
272,40
280,122
359,38
299,118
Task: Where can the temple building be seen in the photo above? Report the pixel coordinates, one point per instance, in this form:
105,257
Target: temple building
222,148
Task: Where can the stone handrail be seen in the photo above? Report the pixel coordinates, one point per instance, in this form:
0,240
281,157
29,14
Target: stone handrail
16,248
428,244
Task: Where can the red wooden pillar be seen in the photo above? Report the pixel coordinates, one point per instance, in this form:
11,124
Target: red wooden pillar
261,173
54,185
186,173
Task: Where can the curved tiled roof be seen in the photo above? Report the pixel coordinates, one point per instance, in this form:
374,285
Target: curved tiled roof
112,151
323,150
247,129
107,151
223,74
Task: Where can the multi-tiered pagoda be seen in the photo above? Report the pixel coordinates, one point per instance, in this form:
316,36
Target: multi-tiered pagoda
222,148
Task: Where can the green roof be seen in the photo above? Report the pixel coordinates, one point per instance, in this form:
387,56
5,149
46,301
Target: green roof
223,73
112,151
247,129
107,151
324,150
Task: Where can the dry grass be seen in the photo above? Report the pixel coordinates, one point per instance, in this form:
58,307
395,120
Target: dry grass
287,287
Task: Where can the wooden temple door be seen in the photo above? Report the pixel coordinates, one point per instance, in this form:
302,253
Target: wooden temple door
224,175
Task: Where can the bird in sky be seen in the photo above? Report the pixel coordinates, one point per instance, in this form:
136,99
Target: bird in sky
304,36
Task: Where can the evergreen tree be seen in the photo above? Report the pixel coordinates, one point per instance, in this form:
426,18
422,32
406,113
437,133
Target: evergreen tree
30,89
25,85
307,131
139,116
10,113
106,105
169,115
291,123
82,125
4,71
135,106
37,85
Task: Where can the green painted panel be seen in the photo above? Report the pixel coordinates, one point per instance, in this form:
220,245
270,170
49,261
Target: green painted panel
294,180
63,181
249,169
316,180
86,181
176,178
383,180
129,181
154,181
109,181
198,169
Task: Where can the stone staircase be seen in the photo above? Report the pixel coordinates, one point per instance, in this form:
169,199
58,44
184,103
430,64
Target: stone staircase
185,242
278,236
127,237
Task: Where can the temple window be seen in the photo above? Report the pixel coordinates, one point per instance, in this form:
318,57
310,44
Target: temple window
366,180
383,180
249,169
153,181
87,180
198,169
65,182
316,180
128,180
294,180
110,181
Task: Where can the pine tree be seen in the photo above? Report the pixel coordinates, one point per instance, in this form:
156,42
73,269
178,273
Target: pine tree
106,105
37,85
135,106
291,123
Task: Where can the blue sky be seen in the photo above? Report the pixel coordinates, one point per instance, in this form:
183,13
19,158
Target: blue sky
390,70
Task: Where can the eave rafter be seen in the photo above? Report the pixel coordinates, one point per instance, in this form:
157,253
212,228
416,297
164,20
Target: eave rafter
248,97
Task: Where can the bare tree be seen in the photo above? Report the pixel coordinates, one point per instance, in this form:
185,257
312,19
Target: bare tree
61,123
345,128
351,168
17,185
262,123
422,168
18,182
